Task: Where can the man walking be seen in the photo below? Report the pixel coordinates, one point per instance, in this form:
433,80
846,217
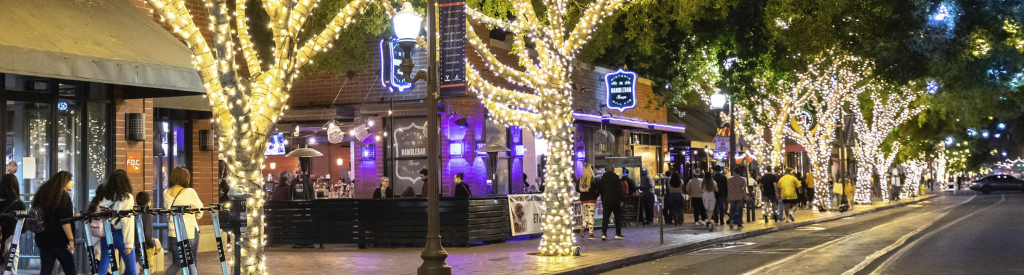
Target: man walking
721,197
647,199
610,191
769,190
693,189
737,192
789,186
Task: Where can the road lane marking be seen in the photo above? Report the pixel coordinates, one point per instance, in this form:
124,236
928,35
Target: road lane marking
778,263
885,265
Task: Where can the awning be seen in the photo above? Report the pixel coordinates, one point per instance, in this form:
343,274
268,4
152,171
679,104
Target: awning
702,126
191,103
105,41
630,122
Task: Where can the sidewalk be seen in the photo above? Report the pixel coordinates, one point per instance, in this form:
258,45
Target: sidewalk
641,245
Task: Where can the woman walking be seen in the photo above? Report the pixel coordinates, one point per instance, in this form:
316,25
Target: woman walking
588,197
675,199
181,193
117,196
709,187
10,201
57,241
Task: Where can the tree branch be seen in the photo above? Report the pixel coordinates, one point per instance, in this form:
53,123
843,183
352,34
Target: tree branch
498,94
323,41
252,59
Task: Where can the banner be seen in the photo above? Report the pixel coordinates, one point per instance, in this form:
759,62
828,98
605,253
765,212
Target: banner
525,212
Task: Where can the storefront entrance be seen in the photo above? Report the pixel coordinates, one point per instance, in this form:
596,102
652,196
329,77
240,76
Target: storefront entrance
52,125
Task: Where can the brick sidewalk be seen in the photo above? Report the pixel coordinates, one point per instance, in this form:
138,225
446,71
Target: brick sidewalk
641,245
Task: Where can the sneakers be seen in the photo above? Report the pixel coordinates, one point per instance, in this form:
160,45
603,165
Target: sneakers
730,226
740,227
711,227
591,237
791,217
697,223
604,237
620,238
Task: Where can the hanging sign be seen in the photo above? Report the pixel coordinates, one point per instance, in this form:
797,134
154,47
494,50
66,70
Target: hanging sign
452,47
410,141
806,120
391,75
620,90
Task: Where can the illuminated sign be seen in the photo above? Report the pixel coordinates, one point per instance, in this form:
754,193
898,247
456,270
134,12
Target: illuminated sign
391,56
276,145
620,90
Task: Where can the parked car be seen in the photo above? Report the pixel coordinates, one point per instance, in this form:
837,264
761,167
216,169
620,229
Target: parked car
997,183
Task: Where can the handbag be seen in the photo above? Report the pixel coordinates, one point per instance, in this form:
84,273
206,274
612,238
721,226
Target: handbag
96,226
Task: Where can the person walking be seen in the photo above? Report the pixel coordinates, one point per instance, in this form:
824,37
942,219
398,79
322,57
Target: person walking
588,198
769,190
461,188
118,196
610,191
647,198
10,201
696,193
737,194
181,193
753,196
674,200
721,196
57,241
384,191
809,182
709,188
790,186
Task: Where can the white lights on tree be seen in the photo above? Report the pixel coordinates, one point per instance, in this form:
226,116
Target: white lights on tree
833,79
889,109
245,109
545,106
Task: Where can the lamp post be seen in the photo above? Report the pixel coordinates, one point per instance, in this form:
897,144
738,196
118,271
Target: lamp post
407,25
718,101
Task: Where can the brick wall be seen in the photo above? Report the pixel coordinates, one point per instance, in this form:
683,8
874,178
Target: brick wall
204,169
142,180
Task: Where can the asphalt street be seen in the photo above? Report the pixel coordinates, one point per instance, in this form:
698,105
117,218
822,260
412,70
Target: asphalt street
965,233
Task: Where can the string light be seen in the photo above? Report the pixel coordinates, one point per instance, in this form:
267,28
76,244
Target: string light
832,80
887,112
545,105
245,110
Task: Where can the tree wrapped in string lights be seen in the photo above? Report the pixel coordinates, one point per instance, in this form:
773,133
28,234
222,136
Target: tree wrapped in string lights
887,112
832,80
776,109
915,169
245,109
750,129
546,106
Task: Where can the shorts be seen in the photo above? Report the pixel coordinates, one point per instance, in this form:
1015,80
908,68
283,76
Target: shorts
791,201
709,202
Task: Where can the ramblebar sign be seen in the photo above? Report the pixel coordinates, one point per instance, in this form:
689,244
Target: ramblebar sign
620,90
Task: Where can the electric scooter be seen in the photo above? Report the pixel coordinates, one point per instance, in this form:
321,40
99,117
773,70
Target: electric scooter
214,209
12,257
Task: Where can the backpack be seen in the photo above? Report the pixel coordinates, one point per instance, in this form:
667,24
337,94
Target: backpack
35,221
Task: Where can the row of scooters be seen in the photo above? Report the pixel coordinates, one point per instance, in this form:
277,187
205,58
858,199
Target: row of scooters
186,255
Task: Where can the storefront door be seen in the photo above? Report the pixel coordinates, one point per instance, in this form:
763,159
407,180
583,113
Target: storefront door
171,151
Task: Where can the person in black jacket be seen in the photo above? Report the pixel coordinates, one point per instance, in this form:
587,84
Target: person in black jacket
610,190
387,193
630,183
10,201
461,188
57,241
721,197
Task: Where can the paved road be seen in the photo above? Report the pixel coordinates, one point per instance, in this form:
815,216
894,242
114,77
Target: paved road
951,234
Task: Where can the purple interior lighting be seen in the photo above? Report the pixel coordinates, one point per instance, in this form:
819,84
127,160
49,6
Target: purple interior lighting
455,149
368,151
632,122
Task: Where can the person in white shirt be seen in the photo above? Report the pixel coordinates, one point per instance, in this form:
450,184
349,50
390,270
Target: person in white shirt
180,193
117,195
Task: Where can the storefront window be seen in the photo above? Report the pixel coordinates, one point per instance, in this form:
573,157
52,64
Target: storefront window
24,83
69,137
27,147
96,146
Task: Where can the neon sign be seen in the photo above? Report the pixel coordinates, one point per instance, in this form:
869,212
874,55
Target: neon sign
391,75
620,90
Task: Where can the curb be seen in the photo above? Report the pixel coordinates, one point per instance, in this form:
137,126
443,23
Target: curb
611,265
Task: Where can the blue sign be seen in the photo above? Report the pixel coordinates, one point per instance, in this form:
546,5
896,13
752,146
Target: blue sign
391,75
275,146
620,87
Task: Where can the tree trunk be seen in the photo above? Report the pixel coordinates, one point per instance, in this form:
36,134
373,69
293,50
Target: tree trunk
559,194
822,189
245,170
863,192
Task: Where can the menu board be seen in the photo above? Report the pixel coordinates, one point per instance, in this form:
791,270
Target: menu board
410,138
630,207
452,70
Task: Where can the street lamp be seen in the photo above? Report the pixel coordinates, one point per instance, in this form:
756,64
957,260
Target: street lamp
407,25
718,101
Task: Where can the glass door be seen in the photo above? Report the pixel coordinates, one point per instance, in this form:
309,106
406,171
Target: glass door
27,152
168,153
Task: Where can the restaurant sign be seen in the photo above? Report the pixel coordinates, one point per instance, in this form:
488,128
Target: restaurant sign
391,56
620,90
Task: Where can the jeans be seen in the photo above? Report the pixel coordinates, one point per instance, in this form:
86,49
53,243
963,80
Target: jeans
175,267
699,212
609,210
721,205
675,204
646,211
736,212
119,244
50,253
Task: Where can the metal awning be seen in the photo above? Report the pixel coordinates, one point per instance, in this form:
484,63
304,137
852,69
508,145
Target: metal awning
105,41
630,122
